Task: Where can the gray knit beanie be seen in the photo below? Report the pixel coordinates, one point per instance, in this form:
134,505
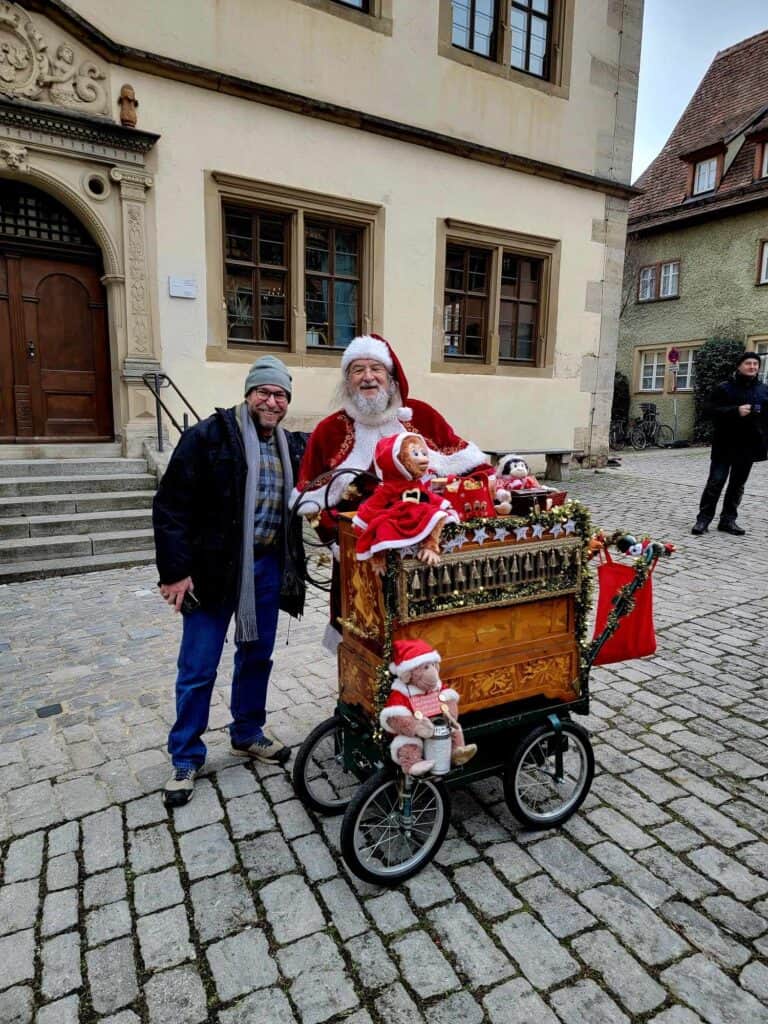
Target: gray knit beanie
268,370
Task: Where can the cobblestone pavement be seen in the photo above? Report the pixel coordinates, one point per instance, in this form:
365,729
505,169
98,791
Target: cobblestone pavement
651,904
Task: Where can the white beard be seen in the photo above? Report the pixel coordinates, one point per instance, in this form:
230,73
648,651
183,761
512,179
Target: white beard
371,404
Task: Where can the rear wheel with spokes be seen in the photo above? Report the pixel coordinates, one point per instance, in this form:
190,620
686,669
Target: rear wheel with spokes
319,776
665,436
617,436
394,826
637,438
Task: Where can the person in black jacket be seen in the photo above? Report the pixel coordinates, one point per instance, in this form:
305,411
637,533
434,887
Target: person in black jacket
226,545
739,408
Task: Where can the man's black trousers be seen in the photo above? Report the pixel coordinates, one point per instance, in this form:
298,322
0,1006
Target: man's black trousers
718,474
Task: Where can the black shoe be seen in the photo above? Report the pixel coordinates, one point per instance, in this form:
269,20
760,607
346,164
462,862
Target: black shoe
733,528
699,528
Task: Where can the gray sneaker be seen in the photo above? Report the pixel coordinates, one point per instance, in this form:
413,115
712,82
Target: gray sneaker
266,747
180,788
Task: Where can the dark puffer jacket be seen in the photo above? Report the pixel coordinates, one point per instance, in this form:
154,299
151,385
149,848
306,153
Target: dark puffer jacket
739,438
197,515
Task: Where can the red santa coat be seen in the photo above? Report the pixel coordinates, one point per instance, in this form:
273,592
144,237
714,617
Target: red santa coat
399,705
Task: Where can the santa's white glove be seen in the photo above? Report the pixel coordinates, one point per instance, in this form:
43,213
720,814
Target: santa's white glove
424,729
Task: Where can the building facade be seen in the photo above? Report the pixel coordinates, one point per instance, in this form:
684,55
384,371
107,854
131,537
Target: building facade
697,247
186,186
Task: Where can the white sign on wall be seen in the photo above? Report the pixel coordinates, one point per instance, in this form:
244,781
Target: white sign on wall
182,287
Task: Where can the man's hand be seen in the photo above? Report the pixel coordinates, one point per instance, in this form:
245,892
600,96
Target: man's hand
745,410
174,593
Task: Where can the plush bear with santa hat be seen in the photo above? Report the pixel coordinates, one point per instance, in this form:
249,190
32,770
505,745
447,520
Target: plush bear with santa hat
417,696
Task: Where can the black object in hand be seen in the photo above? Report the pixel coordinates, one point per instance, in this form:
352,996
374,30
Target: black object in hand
756,408
190,603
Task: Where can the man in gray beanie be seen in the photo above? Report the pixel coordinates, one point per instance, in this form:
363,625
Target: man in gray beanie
225,546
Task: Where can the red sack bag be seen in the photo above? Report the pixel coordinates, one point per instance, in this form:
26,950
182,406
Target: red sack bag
635,637
471,496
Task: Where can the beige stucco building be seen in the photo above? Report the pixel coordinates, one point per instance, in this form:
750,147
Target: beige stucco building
302,171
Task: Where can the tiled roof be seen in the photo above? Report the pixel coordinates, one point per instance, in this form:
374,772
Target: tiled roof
732,99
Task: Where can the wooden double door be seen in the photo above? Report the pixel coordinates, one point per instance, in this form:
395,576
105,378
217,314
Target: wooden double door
54,350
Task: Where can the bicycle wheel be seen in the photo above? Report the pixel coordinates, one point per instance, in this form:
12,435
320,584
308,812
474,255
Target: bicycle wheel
665,436
616,437
319,777
637,438
383,841
545,783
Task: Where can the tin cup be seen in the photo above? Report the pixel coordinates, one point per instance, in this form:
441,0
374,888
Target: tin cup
438,748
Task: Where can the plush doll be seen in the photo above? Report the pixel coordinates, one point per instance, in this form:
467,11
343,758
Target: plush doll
502,497
403,511
512,473
417,696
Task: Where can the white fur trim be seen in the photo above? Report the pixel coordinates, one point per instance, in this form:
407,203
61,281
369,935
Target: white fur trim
359,458
398,711
403,741
405,414
359,523
398,686
449,694
406,542
366,347
468,458
430,658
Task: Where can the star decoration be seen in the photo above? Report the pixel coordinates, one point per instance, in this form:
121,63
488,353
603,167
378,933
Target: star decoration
450,545
538,530
461,539
481,535
570,526
557,529
521,532
500,532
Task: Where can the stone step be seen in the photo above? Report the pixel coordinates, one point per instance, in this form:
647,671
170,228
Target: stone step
76,523
18,468
21,486
39,549
61,504
102,450
20,571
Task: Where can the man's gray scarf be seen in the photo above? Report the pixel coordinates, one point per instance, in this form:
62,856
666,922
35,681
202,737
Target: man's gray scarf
246,628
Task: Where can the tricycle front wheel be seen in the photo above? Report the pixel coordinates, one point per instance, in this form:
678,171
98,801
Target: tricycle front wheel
319,777
394,826
549,775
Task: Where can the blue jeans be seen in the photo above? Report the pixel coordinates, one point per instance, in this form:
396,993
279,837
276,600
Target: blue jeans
202,642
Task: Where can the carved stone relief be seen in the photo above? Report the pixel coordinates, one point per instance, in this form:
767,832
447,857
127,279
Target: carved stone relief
31,69
14,156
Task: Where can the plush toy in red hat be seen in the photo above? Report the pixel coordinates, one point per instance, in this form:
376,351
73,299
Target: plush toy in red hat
402,511
418,696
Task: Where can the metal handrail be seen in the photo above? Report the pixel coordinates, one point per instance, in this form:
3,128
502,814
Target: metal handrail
156,381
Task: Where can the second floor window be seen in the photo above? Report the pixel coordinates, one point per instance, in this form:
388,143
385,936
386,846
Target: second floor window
659,281
531,31
474,26
704,175
517,33
360,5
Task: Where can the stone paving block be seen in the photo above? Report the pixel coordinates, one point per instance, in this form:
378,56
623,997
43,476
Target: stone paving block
743,883
65,1011
623,975
17,1005
61,873
754,978
677,837
635,924
677,1015
236,781
17,955
207,851
391,913
511,862
471,948
293,819
81,796
490,896
735,916
24,858
204,809
105,888
267,1005
625,799
455,850
59,912
108,922
689,883
279,788
561,914
699,982
567,864
33,807
112,975
18,906
124,1017
540,957
429,887
395,1006
164,938
103,842
150,848
585,1003
699,787
755,856
716,826
458,1007
222,904
61,965
515,1002
147,811
292,910
64,839
240,964
314,857
157,890
344,910
620,829
249,814
374,967
705,935
320,987
266,856
637,878
423,966
176,997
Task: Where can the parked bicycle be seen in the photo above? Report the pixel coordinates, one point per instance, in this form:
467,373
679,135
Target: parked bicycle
648,430
618,435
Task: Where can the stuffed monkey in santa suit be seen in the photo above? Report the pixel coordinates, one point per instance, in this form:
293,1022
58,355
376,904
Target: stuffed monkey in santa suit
417,696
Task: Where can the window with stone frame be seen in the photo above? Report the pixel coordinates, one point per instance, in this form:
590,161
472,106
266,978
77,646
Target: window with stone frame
465,306
686,368
762,271
653,367
331,284
659,281
256,276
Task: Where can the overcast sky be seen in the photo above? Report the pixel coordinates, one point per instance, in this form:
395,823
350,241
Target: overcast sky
680,38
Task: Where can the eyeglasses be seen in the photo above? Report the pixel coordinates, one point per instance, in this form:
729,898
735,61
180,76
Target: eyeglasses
360,371
264,394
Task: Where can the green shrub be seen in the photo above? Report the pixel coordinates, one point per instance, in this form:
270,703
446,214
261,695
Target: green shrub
715,362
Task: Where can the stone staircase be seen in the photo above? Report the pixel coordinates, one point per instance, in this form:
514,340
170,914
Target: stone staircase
67,509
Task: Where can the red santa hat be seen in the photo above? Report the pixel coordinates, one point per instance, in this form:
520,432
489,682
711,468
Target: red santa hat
373,346
409,654
386,458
